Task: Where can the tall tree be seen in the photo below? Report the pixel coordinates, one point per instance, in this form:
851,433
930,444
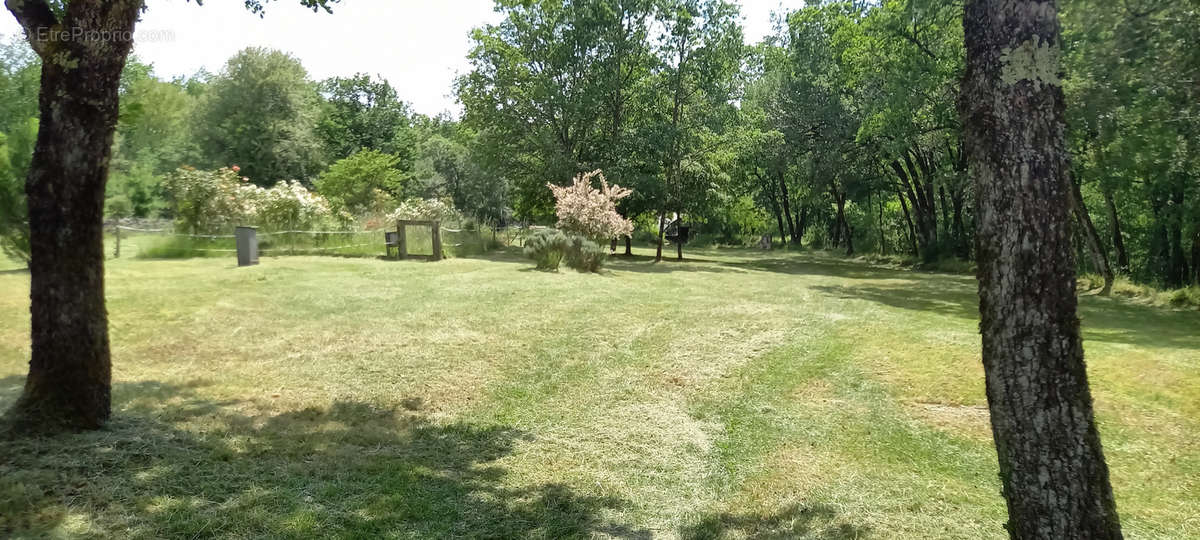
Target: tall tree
700,54
1051,464
361,112
70,370
261,114
536,88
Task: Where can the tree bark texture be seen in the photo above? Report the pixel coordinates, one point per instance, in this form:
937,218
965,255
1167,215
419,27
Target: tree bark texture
1052,467
69,379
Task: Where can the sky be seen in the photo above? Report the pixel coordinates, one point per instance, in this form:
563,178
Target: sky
417,45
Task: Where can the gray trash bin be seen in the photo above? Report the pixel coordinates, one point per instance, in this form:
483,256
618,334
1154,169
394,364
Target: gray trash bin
247,246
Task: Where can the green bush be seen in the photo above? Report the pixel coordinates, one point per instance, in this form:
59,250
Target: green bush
181,247
468,243
547,247
1185,298
118,207
585,255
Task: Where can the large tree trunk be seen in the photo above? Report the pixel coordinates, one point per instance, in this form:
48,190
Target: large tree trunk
1177,274
801,224
1196,255
883,241
787,208
912,231
1118,238
961,247
779,220
841,226
70,370
1052,467
662,216
922,211
1099,256
1160,240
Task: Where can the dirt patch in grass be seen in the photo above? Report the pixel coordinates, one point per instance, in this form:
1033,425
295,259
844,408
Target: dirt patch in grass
963,420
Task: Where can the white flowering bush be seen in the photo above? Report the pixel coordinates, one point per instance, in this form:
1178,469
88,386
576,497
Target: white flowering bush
206,201
210,201
590,212
290,206
426,210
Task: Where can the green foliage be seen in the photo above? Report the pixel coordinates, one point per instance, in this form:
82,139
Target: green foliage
154,132
366,182
139,187
585,255
736,221
361,113
20,73
649,83
20,80
118,207
205,201
16,151
261,113
287,205
547,247
1131,105
426,210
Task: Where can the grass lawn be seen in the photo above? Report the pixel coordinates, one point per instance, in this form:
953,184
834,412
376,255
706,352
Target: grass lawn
740,394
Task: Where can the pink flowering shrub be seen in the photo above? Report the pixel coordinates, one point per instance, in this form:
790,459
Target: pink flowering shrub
590,212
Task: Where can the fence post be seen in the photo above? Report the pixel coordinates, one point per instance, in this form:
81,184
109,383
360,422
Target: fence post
401,240
437,240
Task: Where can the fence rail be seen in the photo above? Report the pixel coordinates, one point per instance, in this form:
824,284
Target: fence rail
167,242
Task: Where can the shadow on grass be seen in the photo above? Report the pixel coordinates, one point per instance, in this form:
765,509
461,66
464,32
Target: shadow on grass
812,265
797,521
173,464
647,265
1110,320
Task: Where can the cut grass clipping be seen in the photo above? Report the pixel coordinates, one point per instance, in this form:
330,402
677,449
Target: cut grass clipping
738,394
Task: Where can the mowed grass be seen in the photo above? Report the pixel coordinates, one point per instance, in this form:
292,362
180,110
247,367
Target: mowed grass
740,394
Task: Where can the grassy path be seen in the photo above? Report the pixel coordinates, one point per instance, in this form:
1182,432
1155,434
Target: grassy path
740,394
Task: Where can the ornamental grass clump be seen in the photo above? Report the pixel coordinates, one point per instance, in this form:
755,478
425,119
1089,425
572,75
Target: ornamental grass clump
547,247
585,255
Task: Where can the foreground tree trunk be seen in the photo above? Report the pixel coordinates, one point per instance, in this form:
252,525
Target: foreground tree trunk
1052,467
70,371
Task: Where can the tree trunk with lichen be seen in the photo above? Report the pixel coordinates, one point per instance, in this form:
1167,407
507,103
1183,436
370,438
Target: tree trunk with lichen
1052,467
83,52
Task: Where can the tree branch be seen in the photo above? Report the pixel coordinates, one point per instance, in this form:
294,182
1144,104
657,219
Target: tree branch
36,18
